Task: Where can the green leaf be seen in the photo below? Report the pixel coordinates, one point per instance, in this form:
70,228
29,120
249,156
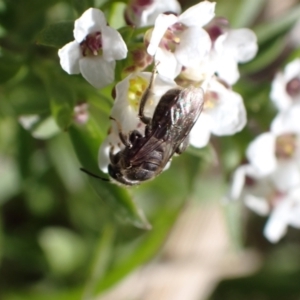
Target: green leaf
69,245
267,31
246,12
265,56
116,16
62,113
86,142
9,66
101,260
227,9
294,55
145,249
126,33
82,5
61,94
233,215
10,179
41,127
56,35
31,294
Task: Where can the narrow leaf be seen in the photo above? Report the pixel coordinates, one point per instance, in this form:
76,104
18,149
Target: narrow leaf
246,12
147,247
62,111
56,35
265,57
117,198
100,261
269,30
9,66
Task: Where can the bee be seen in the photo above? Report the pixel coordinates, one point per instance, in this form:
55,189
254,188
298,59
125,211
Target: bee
145,156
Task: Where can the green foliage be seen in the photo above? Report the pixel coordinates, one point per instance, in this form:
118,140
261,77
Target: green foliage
56,35
64,235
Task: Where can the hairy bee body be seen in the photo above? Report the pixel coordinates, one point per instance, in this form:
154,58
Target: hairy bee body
145,156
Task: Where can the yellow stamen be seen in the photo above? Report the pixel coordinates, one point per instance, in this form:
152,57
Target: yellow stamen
137,86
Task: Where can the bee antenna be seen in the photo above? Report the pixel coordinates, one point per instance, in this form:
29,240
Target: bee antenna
93,175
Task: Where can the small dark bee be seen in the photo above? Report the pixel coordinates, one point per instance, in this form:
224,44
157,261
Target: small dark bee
166,133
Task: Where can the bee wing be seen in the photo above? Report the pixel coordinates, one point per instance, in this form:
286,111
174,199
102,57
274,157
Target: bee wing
171,129
177,112
152,144
185,112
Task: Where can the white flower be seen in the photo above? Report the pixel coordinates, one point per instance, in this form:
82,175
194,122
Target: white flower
286,212
233,47
285,89
178,41
277,157
287,121
239,180
277,153
125,110
223,114
94,50
262,196
144,13
229,47
261,153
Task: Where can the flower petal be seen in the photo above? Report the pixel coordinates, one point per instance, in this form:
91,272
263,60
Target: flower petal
200,134
199,14
122,110
242,43
276,226
261,153
195,45
229,115
91,21
103,154
97,71
114,47
287,175
287,121
227,69
69,57
275,229
278,93
292,70
238,180
167,63
257,204
201,71
150,14
161,25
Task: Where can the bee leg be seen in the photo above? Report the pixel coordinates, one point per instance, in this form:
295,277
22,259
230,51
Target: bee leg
182,147
123,137
145,97
147,130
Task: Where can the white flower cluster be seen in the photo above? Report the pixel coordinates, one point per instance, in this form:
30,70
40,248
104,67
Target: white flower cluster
194,47
270,182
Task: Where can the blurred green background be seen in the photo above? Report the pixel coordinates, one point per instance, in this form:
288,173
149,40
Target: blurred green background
66,236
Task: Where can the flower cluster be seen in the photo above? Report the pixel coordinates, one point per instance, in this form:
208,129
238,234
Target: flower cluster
191,48
270,182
